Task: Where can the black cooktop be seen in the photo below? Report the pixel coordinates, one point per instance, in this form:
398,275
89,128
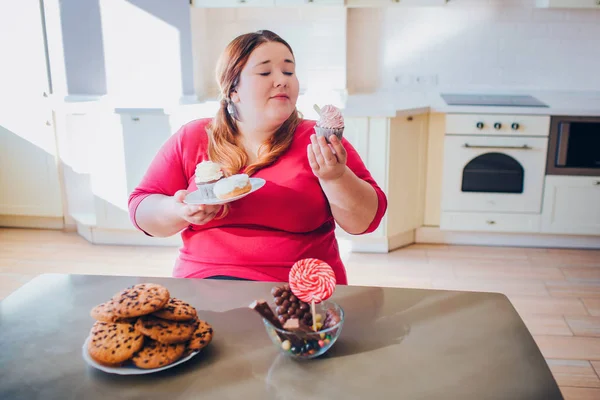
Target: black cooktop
494,100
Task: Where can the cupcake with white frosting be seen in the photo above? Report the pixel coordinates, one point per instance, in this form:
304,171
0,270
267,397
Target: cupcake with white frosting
331,122
207,174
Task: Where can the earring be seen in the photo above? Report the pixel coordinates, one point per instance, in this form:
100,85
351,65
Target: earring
231,109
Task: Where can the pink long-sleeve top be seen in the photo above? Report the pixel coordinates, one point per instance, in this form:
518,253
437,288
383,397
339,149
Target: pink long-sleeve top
266,232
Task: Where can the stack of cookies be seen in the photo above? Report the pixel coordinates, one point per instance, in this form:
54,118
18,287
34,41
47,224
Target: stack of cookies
145,326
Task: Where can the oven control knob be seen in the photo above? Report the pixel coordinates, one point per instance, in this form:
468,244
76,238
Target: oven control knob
497,125
515,126
479,125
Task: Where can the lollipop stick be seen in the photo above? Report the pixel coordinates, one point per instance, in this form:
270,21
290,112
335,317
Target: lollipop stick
314,314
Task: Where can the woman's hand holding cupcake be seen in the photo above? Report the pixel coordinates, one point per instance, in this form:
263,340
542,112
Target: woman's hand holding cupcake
326,154
194,214
325,164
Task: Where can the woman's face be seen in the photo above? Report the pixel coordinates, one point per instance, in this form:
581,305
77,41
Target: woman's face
267,91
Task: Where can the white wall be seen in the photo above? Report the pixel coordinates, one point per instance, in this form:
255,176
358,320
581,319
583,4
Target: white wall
475,44
317,36
147,49
465,44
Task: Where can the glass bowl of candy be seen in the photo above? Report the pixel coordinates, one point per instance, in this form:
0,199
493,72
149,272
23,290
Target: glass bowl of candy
300,341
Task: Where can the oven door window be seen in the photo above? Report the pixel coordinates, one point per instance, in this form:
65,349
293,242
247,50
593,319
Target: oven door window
493,173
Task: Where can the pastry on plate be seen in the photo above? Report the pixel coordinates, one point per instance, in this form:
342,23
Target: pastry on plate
207,174
232,186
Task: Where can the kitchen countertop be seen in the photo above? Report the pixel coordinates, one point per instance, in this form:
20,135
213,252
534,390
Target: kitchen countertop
387,104
395,343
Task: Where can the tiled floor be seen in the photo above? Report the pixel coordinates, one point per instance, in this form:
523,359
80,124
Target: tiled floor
556,292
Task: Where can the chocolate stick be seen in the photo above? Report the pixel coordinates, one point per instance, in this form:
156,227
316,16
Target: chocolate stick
261,307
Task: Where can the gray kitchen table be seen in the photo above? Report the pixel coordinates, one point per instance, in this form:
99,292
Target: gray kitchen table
395,343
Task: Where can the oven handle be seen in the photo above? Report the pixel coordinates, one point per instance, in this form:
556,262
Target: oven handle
524,147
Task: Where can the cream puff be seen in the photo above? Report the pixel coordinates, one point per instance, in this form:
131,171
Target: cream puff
232,186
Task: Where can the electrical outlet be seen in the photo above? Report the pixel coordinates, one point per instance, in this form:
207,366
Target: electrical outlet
415,80
425,80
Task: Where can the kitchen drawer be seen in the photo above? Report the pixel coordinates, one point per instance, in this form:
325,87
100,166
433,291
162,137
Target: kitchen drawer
511,125
571,205
490,222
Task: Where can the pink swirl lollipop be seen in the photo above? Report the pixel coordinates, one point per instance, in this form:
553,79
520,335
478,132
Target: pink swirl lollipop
312,280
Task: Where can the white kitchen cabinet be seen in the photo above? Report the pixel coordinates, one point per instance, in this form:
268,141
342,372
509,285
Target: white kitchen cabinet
571,205
130,142
356,131
394,3
107,152
297,3
369,137
29,171
29,179
568,4
233,3
394,151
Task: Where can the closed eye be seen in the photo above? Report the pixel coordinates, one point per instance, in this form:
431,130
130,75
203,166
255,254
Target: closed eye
268,73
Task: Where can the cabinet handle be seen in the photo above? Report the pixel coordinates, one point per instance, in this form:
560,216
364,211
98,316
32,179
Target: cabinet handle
490,222
135,119
597,183
524,147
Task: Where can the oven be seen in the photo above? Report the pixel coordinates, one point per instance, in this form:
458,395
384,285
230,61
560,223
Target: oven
496,174
493,171
574,146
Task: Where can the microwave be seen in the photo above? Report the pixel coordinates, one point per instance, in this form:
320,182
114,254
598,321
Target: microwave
574,146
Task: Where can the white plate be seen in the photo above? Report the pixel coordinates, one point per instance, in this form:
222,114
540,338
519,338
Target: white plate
129,369
195,199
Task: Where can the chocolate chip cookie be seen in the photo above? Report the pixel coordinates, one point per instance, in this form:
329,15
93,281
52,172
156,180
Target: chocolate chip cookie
165,331
176,310
105,312
156,355
141,299
113,343
201,337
